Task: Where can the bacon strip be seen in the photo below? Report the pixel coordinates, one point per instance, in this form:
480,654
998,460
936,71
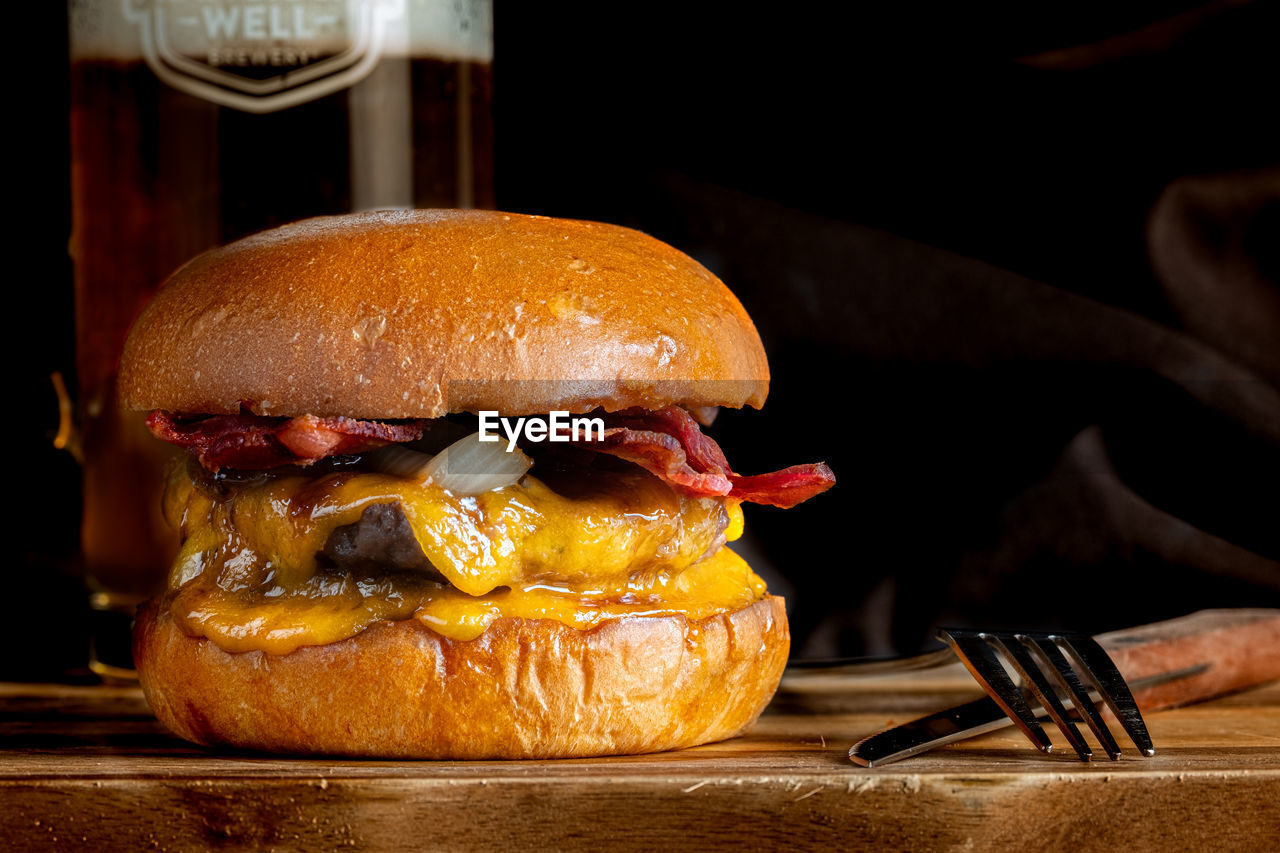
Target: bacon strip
664,457
784,488
669,444
252,442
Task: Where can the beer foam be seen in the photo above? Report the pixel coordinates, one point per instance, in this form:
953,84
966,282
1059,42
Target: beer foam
437,29
448,30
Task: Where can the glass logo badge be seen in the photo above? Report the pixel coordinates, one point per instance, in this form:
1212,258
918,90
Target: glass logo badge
260,57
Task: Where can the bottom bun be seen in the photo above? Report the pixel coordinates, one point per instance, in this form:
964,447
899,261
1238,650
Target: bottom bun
523,689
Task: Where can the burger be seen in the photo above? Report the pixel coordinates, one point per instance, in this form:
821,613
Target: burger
447,492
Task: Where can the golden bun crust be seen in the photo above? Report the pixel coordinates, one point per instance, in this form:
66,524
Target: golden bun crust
523,689
415,314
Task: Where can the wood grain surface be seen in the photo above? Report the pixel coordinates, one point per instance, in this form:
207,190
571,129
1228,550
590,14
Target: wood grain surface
89,768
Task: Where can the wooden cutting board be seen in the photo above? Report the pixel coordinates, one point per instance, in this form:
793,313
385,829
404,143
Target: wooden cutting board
87,767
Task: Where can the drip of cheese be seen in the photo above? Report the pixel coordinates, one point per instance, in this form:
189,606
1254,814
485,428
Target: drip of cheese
614,544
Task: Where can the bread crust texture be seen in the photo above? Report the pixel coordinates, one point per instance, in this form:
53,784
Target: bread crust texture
523,689
418,314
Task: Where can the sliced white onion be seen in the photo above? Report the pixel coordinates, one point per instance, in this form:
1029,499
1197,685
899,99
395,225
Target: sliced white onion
470,466
399,461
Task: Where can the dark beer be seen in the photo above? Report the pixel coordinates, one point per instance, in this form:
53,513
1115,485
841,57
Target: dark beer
163,169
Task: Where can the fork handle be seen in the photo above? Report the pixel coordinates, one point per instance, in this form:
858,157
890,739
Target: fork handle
1240,648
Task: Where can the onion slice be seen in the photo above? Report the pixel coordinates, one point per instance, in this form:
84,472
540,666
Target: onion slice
470,466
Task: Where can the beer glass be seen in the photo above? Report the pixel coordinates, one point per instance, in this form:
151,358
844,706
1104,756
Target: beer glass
196,122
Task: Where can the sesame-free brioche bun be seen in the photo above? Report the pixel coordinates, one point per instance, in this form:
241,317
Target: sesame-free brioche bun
417,314
523,689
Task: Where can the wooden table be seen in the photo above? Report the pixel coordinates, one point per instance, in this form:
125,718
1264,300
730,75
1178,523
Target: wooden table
87,767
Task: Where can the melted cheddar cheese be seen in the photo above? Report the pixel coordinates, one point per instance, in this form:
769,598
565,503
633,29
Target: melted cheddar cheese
604,547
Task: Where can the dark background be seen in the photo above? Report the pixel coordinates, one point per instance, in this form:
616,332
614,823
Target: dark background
955,228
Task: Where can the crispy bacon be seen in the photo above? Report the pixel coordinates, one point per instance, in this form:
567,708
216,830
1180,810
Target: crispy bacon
669,444
784,488
664,457
253,442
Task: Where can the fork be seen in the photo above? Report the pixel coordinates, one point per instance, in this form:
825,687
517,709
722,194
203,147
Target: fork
1053,671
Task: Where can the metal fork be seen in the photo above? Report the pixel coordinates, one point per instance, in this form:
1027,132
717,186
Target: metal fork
1054,671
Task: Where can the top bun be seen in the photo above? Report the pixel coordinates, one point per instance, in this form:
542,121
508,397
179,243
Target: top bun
416,314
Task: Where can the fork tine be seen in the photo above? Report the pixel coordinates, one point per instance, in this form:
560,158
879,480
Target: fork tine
1096,666
1025,656
980,658
1080,698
